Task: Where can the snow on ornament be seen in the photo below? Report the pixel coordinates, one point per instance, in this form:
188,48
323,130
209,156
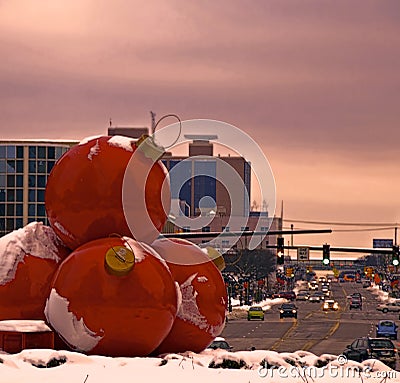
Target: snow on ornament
201,313
29,258
108,185
114,297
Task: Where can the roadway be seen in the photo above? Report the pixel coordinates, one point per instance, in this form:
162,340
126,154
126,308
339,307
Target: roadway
315,330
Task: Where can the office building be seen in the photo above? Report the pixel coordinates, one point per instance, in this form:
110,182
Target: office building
24,168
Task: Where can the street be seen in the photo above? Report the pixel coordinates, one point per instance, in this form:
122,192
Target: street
315,330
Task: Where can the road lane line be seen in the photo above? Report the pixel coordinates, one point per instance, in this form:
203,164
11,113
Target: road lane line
284,336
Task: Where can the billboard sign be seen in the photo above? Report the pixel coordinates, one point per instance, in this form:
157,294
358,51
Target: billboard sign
382,243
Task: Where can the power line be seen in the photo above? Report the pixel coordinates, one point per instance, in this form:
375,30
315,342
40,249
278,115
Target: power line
395,224
350,230
355,230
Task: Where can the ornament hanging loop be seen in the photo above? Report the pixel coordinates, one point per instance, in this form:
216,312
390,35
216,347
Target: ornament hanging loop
180,127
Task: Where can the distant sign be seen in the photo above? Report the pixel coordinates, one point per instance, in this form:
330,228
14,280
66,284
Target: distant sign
303,253
382,243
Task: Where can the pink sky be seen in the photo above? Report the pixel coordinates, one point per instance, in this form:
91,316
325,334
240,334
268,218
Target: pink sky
316,84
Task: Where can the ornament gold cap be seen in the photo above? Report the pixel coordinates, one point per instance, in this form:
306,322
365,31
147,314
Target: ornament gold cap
149,148
119,260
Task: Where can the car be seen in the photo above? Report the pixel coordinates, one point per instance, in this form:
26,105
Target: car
290,295
386,328
255,312
349,277
355,303
325,290
313,285
356,295
288,310
372,348
220,343
321,295
314,298
330,304
389,306
366,283
302,296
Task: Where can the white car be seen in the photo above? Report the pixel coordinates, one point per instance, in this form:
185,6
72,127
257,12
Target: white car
389,306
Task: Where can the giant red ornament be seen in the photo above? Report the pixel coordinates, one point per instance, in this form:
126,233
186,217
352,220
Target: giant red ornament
201,314
29,258
114,297
107,185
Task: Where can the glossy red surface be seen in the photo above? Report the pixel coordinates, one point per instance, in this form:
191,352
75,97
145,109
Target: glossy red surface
24,297
201,316
84,193
131,314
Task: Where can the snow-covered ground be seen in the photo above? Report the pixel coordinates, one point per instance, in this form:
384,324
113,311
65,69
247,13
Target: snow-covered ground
44,366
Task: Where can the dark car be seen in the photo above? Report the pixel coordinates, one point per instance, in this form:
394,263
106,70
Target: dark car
220,343
288,310
387,329
355,303
372,348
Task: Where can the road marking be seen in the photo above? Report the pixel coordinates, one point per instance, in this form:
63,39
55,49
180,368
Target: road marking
284,336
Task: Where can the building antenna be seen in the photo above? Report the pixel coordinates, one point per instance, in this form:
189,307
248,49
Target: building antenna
110,122
153,122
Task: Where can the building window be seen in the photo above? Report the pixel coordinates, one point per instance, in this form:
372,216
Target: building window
244,228
225,243
51,153
41,152
20,166
20,181
31,210
41,211
41,166
19,210
10,151
10,210
10,195
225,228
32,152
32,166
186,229
11,166
40,195
10,181
41,181
206,229
20,152
264,228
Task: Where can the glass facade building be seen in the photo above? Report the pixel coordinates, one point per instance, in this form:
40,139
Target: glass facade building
24,168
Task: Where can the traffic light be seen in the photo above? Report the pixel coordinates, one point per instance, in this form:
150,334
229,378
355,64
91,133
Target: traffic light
395,255
326,254
280,251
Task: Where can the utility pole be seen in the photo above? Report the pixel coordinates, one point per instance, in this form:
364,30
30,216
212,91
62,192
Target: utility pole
291,236
153,121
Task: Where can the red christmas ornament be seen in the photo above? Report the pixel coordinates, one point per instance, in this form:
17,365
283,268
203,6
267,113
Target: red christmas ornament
29,258
107,185
201,313
114,297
